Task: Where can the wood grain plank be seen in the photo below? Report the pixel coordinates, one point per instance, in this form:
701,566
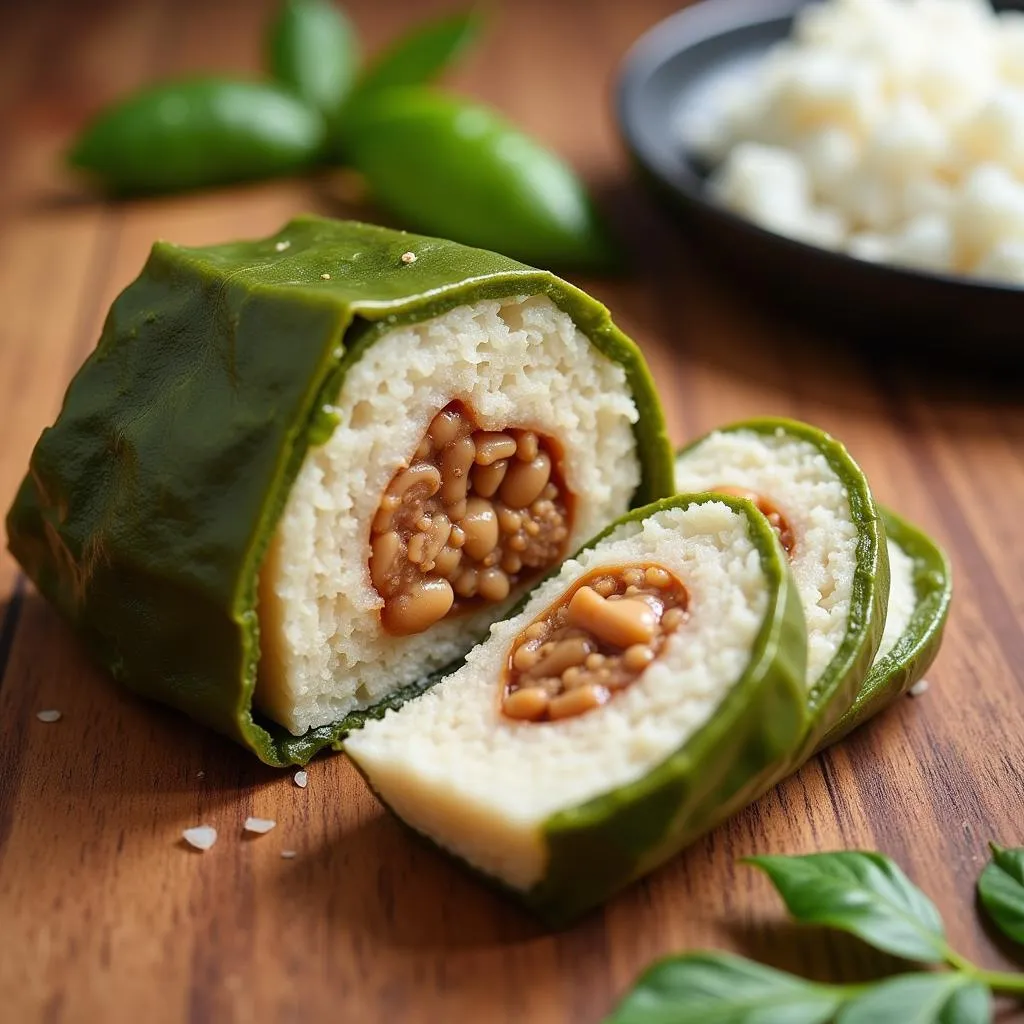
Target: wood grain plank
45,277
55,245
106,915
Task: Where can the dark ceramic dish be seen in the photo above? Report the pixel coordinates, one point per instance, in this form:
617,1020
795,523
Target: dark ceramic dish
665,78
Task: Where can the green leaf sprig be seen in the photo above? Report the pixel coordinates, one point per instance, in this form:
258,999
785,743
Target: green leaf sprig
436,162
1001,888
867,895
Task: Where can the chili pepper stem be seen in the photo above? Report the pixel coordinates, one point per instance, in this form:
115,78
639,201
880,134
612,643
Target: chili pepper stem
998,981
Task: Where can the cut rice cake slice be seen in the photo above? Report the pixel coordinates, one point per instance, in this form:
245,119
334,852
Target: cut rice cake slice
656,674
303,474
475,447
818,500
920,593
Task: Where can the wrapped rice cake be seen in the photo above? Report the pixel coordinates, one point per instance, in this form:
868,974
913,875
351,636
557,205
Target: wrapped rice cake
920,592
613,717
306,472
818,500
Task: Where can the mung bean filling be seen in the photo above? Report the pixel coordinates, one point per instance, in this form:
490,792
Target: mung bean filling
778,522
474,514
593,643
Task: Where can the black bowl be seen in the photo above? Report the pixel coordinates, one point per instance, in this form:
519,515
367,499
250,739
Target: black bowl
667,75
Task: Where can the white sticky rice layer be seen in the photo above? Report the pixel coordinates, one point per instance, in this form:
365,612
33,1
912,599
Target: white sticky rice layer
797,478
481,785
902,599
519,362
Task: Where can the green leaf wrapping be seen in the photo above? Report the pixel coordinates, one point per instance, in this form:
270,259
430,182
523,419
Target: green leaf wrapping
312,49
150,503
946,998
892,676
717,988
865,894
1001,888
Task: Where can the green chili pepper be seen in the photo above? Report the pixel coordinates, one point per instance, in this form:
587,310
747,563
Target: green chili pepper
420,55
207,131
914,650
311,48
457,169
560,862
151,502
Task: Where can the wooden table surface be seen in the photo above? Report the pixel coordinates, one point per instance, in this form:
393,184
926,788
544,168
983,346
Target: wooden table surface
105,915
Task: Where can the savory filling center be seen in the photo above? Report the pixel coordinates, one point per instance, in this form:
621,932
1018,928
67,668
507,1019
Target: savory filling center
778,522
593,642
476,513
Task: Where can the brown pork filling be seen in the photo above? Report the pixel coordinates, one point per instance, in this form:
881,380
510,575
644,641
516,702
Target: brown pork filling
476,513
593,642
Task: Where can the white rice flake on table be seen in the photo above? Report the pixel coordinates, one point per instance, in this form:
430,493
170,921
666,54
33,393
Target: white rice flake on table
892,130
301,779
288,854
49,716
921,686
202,837
259,825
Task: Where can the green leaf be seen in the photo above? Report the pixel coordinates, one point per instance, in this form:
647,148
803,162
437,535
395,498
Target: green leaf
716,988
312,49
863,893
420,55
946,998
444,166
1001,888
